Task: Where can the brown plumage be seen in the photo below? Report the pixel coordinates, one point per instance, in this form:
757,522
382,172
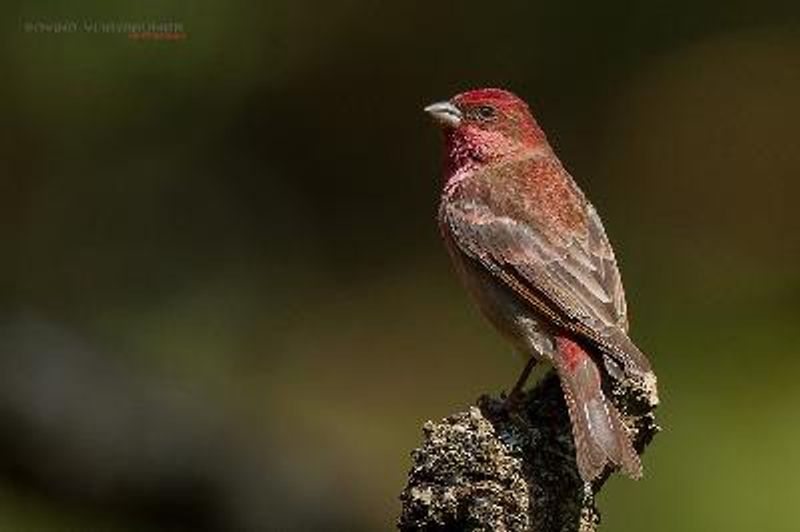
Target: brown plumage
533,252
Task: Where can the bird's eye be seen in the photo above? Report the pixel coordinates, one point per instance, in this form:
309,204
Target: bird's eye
485,112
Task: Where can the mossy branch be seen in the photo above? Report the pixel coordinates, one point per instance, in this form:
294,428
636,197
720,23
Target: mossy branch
491,469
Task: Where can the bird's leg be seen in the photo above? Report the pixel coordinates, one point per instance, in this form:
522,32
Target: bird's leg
514,398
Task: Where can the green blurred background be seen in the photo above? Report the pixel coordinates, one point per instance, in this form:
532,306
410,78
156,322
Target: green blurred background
224,300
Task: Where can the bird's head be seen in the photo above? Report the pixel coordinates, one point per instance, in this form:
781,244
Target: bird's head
485,125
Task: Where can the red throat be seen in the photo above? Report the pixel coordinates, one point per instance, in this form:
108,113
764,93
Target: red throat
468,147
461,152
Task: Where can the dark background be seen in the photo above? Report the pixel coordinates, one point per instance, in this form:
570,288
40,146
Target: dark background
223,296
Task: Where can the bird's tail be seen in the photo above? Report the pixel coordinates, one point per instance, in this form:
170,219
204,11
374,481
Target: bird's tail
597,428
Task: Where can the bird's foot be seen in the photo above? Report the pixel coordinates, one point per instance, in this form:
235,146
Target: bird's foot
517,395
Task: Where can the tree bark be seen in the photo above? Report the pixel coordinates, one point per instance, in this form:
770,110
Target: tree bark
493,469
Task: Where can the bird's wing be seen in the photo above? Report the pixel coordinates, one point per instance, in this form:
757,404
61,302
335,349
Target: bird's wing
570,275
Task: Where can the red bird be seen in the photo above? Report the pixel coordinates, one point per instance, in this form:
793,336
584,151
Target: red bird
532,252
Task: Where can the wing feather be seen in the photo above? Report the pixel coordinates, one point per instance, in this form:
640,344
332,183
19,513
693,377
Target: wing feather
570,276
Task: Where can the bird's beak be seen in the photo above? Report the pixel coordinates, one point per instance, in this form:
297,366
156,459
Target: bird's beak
445,113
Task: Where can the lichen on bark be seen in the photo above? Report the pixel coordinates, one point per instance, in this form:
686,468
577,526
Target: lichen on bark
489,468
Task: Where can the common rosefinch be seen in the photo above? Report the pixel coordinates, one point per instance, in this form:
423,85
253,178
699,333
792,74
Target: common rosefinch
533,253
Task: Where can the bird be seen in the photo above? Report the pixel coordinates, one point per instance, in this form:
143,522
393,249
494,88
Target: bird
532,252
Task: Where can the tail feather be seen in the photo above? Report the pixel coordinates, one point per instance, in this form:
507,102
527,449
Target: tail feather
599,433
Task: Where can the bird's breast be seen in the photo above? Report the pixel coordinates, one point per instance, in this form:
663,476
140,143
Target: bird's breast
514,319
